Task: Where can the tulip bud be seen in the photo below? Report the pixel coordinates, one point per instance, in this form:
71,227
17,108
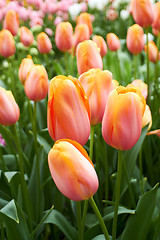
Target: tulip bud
122,120
85,18
147,118
81,34
11,22
142,11
64,36
156,16
43,43
7,46
152,51
9,110
135,39
113,42
68,113
101,44
142,86
88,56
97,85
26,37
36,84
72,170
24,68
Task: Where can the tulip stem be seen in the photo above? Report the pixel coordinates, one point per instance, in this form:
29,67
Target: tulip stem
4,168
119,69
141,171
24,186
11,75
91,142
66,62
135,66
99,217
79,221
147,80
118,186
85,208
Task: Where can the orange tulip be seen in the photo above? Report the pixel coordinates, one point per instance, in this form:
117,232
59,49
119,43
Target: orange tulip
101,44
152,51
36,83
142,86
156,16
24,68
88,56
142,11
122,121
147,118
97,85
135,39
26,37
81,33
7,46
113,42
64,36
72,170
115,83
85,18
9,110
11,22
43,43
68,113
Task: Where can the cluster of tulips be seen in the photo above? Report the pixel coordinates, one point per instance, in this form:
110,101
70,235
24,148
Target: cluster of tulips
90,121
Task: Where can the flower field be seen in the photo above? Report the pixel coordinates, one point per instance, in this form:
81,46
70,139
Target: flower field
79,120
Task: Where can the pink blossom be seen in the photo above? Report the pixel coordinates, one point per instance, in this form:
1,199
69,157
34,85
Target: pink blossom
57,20
49,31
2,141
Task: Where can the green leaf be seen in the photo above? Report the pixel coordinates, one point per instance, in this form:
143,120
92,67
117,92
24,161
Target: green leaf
44,144
130,157
60,221
137,225
10,211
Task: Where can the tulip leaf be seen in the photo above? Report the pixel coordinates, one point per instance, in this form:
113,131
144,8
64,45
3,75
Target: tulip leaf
138,224
10,211
58,68
61,222
130,157
8,136
14,221
43,143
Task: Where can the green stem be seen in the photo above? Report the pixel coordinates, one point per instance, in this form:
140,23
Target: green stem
2,230
79,222
12,77
85,208
4,168
119,69
135,66
41,222
66,62
129,185
24,186
99,217
147,80
36,152
91,142
118,186
141,171
106,171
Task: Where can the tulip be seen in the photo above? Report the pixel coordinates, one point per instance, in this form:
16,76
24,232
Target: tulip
156,16
135,39
68,113
147,118
81,34
26,37
115,83
152,51
64,36
142,86
36,83
113,42
85,18
7,46
101,44
97,85
88,56
11,22
142,11
72,170
43,43
24,68
9,110
122,120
